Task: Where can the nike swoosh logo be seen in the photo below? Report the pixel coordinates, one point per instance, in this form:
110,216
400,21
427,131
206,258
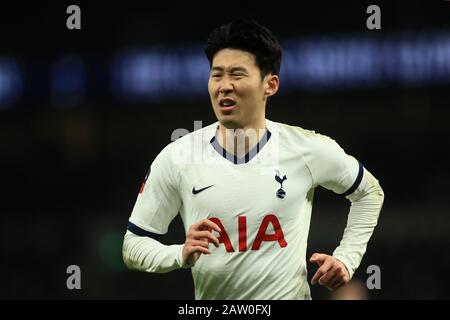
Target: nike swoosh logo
200,190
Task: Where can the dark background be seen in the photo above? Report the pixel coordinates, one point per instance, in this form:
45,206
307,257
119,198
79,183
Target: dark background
70,173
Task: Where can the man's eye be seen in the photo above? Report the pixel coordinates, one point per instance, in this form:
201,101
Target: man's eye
237,75
216,75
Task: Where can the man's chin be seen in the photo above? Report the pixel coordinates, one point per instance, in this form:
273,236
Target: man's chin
229,122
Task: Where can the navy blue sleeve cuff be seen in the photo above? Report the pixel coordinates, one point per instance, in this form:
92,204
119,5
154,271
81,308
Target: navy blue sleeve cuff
357,181
143,233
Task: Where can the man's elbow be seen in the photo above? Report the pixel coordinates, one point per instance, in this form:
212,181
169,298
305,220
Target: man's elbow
380,194
126,252
373,188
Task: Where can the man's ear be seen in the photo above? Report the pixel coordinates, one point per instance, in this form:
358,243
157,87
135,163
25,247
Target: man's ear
272,85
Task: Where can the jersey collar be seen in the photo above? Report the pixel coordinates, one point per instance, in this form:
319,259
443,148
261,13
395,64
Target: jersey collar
247,157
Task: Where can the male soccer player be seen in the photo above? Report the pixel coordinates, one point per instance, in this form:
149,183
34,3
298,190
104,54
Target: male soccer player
245,184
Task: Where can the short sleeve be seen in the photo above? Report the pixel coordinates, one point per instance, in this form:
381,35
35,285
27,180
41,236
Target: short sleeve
159,199
332,168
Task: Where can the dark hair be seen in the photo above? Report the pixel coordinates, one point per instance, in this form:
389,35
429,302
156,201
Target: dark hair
250,36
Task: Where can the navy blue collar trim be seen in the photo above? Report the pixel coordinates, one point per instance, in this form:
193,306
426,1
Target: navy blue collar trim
249,156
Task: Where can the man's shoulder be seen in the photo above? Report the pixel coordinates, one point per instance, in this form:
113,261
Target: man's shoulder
317,150
299,135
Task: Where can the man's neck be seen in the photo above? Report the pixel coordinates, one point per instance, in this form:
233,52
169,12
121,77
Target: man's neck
239,141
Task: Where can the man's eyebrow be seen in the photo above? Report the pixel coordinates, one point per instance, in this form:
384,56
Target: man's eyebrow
236,68
217,69
229,69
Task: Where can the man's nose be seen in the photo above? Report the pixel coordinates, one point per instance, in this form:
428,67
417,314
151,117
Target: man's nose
226,86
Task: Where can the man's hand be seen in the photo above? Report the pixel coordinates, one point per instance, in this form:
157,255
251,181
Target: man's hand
332,273
197,240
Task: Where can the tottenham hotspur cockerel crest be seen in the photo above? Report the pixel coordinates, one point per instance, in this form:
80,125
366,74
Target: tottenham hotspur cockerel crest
280,192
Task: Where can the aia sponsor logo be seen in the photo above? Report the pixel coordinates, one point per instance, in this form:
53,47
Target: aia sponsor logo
261,236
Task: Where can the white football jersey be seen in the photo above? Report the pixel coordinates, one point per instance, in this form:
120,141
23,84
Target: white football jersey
262,202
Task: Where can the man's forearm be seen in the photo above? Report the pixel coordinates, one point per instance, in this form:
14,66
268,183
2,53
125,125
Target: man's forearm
149,255
365,209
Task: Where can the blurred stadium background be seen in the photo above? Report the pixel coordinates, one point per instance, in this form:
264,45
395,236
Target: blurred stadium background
83,114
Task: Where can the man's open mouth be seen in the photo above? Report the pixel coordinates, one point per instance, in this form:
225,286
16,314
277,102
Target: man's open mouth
227,102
